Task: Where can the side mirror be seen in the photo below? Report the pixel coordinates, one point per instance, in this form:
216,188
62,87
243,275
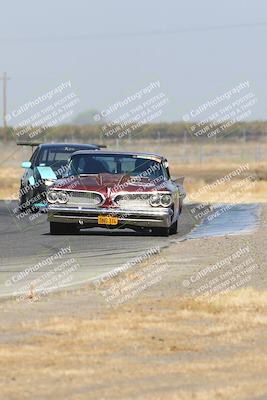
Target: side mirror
26,164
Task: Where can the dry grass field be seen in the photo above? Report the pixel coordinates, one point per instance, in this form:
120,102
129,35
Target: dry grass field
198,351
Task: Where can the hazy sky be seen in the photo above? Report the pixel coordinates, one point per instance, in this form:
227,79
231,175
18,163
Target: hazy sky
110,49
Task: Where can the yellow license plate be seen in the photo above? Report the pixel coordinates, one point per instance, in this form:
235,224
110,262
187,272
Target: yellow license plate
107,220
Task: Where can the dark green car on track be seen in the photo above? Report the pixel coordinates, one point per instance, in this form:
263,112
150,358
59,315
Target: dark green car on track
47,164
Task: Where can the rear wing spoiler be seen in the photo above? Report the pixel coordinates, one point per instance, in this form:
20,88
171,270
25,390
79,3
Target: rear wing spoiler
35,144
32,144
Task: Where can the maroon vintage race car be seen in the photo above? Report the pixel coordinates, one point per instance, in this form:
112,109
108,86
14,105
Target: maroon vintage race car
116,190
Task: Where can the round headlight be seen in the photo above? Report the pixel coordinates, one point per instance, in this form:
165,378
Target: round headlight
166,200
62,197
51,197
154,200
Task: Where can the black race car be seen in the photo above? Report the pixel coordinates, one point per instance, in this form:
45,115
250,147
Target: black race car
47,164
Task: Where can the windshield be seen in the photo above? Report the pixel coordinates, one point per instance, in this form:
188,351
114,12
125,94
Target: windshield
55,157
87,164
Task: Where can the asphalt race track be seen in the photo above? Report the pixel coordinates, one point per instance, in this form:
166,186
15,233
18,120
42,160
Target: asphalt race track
25,242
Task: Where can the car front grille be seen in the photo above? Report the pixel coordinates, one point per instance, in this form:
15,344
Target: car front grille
84,199
133,200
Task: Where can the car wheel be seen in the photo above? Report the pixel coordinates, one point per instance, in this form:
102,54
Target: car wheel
173,228
57,228
26,202
22,201
161,231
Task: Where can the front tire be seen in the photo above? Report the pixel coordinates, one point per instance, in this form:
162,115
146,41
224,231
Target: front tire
57,228
173,228
26,201
161,231
22,200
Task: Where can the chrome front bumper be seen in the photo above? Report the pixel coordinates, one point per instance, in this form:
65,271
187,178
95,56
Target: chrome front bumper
161,217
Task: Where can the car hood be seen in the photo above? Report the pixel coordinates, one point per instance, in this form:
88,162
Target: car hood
114,183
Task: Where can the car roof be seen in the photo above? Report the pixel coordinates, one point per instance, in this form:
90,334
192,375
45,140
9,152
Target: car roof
75,145
122,153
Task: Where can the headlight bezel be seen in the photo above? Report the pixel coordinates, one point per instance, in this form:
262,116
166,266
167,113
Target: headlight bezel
60,195
169,202
50,193
156,200
58,199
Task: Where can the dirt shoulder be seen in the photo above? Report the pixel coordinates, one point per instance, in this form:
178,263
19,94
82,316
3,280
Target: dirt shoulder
171,340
